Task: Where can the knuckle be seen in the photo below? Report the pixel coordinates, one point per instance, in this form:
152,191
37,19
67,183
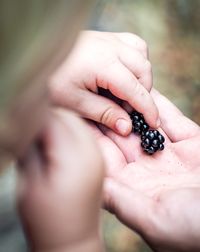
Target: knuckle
138,41
141,94
107,115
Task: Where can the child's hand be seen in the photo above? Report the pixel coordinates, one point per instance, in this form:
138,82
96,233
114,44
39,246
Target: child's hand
60,183
114,61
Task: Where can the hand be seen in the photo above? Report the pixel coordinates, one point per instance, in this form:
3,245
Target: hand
60,185
159,195
114,61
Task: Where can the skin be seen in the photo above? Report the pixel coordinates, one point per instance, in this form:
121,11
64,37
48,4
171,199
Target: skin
155,189
59,195
158,196
117,62
35,199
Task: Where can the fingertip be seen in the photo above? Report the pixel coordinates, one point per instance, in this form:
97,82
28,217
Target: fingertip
123,126
152,117
156,123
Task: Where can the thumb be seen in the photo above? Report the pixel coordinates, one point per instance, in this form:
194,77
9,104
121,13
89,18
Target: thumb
106,112
132,208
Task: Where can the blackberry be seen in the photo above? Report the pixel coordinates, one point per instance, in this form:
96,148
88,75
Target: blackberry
152,140
138,122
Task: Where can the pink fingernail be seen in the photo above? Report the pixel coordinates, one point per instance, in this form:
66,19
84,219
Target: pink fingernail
122,126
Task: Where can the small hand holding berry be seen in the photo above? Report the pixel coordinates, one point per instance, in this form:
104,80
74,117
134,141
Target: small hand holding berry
159,195
117,62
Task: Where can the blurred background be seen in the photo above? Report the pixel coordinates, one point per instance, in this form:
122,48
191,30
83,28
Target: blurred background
171,29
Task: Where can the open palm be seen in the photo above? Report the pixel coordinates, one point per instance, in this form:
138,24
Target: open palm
159,195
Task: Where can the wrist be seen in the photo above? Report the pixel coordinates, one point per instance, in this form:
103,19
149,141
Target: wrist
89,245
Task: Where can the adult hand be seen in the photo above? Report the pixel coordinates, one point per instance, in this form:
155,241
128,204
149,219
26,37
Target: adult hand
117,62
60,185
159,195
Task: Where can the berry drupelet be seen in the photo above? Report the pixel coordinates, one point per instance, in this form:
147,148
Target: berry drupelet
152,140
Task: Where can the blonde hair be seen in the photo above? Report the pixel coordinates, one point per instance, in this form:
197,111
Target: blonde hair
35,37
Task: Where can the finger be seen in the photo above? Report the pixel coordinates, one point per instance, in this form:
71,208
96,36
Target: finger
113,156
105,111
124,104
132,208
61,134
173,122
121,83
138,65
134,42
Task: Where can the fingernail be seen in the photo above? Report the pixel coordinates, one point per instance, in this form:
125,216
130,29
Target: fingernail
122,126
158,123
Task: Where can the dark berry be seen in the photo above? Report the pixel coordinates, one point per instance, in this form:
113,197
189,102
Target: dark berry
145,127
150,150
141,121
155,143
151,135
138,122
138,131
161,147
137,125
136,118
156,133
161,138
151,140
146,142
146,133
